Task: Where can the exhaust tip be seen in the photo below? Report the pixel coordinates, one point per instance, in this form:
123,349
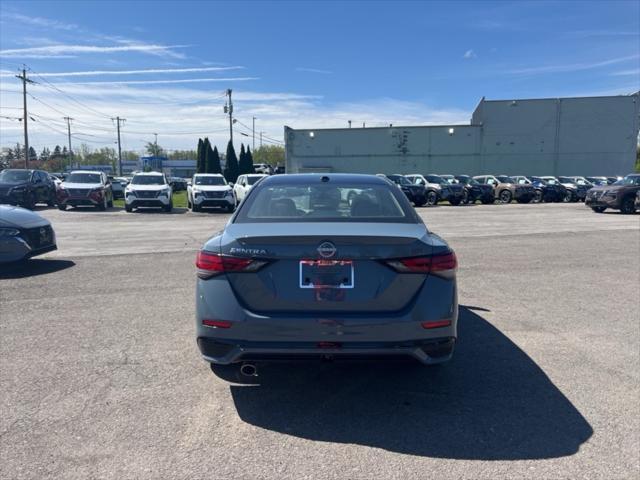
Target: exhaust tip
249,370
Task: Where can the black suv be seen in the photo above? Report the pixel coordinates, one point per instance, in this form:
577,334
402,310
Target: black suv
26,188
417,194
474,190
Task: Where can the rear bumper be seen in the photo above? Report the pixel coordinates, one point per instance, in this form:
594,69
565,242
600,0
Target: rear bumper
265,336
431,351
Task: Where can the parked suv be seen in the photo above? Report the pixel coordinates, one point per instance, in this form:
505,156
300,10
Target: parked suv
582,186
149,189
524,192
570,189
619,196
210,190
85,188
417,194
504,192
245,183
26,188
474,190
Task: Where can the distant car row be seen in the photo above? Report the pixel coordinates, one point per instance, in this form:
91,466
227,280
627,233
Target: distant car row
465,189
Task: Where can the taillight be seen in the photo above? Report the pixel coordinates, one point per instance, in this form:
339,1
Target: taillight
442,265
216,323
212,264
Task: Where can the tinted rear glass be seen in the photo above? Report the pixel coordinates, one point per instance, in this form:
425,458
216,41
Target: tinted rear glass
326,203
147,180
83,178
9,176
210,181
251,179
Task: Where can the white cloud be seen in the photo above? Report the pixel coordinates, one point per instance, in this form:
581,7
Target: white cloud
571,67
58,51
635,71
160,82
469,54
89,73
313,70
39,21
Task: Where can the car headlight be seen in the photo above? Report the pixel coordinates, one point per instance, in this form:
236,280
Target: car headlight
130,192
8,232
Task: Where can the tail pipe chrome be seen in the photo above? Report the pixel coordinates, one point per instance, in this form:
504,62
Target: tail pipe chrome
248,370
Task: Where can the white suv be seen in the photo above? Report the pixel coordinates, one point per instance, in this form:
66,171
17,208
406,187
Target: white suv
210,190
149,189
244,184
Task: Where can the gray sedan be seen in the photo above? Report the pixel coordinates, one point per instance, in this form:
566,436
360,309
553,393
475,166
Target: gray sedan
23,234
325,266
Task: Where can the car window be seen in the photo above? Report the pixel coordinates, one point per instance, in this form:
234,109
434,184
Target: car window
210,181
326,203
148,180
84,178
252,179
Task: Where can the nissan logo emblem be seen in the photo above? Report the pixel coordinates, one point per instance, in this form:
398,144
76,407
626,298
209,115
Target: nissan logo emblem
327,249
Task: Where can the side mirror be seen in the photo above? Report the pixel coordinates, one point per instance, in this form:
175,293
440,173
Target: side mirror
231,184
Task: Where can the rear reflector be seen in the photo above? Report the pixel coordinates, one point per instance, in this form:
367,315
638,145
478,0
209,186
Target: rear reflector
442,265
216,323
211,264
436,324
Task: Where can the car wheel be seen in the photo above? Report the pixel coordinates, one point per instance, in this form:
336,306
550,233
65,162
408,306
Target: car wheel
505,196
627,207
537,197
465,197
102,206
432,198
169,207
62,207
598,209
568,197
128,208
195,208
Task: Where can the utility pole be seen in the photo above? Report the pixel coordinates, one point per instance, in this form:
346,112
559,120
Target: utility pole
25,116
118,120
254,133
229,109
68,119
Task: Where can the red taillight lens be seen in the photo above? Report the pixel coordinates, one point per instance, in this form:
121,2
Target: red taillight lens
436,324
216,323
442,265
211,264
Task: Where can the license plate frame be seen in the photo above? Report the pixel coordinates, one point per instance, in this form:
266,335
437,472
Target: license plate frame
312,277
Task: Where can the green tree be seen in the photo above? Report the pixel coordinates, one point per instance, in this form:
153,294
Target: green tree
154,149
271,154
212,159
216,168
33,156
249,158
19,152
231,168
242,161
200,158
44,155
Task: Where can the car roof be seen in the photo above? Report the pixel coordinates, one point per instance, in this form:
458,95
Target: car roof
334,178
208,175
149,173
85,171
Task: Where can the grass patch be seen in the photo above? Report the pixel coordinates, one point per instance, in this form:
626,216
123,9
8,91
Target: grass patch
179,200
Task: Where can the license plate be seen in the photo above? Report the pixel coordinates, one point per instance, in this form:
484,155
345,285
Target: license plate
326,274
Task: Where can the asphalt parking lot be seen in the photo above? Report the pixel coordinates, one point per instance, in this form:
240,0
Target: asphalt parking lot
100,376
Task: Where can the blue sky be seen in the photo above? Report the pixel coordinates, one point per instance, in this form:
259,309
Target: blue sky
303,64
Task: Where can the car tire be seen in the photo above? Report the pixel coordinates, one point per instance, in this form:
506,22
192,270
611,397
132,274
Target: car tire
465,197
231,209
627,206
169,207
195,208
62,207
598,209
110,204
505,196
128,208
537,197
432,199
568,197
102,206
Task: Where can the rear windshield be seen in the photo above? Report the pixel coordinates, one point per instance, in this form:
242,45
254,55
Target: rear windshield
251,179
147,180
15,176
83,178
326,203
210,181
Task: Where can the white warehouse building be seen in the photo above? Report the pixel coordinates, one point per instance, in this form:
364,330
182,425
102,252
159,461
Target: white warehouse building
550,136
